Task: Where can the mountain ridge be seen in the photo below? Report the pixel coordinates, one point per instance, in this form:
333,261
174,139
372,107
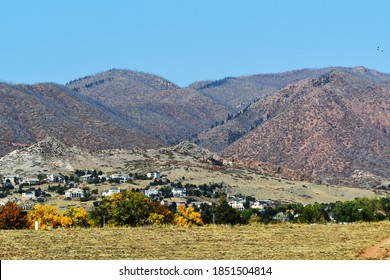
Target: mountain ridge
128,109
318,126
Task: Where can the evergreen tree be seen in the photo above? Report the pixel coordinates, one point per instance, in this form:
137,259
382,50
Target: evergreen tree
225,214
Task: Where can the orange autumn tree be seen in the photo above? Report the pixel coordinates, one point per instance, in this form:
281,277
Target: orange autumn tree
11,217
186,216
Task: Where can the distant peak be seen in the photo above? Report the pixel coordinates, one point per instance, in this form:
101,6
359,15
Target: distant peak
360,69
120,76
331,76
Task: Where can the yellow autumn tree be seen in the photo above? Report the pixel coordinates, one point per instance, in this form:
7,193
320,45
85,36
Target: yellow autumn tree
155,219
46,215
186,216
77,217
64,221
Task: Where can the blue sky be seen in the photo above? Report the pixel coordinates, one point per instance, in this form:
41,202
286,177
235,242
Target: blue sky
188,41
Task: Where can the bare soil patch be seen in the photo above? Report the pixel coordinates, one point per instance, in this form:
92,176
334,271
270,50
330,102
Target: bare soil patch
380,251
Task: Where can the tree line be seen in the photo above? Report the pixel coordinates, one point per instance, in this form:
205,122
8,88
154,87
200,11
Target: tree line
130,209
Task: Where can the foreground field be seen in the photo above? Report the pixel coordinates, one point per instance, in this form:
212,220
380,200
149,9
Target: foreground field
283,242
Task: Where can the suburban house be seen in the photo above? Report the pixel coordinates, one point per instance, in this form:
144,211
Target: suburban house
86,178
262,204
121,177
257,205
111,191
237,204
103,176
153,175
55,178
152,193
198,204
74,193
31,181
179,192
12,178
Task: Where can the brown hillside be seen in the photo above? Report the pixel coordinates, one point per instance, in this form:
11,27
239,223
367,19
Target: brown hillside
152,104
336,125
32,112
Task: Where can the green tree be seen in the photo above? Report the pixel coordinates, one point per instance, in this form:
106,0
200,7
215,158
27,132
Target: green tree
42,176
311,214
246,215
207,212
225,214
360,209
130,209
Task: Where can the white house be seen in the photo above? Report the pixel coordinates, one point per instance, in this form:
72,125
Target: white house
152,192
31,181
262,204
86,178
237,204
153,175
121,177
11,178
111,191
74,193
257,205
179,192
104,176
55,178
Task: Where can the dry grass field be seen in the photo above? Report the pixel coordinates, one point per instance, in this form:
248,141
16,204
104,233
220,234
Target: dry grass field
272,242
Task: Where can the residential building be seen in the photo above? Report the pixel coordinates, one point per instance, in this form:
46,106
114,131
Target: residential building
155,175
55,178
111,191
86,178
12,178
152,193
74,193
121,177
179,192
237,204
32,181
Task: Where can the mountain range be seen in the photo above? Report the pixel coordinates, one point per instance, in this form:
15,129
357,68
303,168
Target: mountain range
330,122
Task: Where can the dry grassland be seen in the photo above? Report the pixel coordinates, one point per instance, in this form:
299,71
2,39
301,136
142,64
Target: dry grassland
281,242
266,187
